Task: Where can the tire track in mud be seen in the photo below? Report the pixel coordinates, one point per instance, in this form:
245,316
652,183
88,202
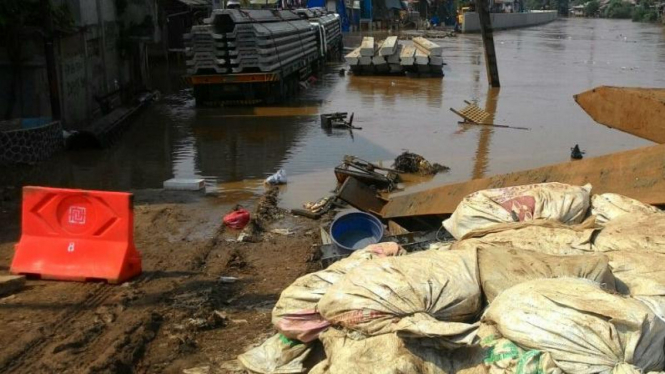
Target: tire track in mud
24,358
29,357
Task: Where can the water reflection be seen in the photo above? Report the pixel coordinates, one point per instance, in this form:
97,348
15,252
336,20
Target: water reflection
482,152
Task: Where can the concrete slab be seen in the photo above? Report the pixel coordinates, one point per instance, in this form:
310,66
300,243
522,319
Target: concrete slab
10,284
367,47
395,68
427,46
421,57
436,61
365,60
177,184
353,58
378,59
388,47
406,57
394,58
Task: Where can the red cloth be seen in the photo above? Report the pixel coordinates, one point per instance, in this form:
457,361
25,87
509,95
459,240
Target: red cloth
237,219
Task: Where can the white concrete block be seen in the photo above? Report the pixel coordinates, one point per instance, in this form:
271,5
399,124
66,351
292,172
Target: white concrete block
176,184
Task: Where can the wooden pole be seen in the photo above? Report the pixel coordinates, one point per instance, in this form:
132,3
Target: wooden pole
488,42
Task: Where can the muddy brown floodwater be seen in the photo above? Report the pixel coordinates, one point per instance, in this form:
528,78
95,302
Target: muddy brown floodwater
233,149
177,314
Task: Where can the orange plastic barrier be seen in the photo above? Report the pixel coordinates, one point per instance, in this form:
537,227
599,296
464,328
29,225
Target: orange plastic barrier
77,235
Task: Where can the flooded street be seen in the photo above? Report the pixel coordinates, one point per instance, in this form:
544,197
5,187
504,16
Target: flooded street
541,68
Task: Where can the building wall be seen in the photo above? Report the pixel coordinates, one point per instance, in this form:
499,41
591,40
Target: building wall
508,20
32,98
89,64
73,79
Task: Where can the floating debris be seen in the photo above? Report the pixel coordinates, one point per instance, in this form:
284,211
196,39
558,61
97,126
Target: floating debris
412,163
576,153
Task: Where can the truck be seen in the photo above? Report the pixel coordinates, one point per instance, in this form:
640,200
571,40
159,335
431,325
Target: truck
249,57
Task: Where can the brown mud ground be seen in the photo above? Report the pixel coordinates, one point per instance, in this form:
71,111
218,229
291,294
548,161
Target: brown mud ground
177,314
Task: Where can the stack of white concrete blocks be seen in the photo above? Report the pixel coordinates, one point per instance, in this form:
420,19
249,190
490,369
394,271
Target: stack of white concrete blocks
391,57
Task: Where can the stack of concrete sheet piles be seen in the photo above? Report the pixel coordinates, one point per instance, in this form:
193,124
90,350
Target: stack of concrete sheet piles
432,51
260,40
333,29
206,51
392,57
329,22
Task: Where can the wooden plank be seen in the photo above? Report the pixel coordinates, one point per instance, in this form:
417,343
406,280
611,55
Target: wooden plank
389,46
639,174
10,284
360,196
353,58
428,47
325,237
406,57
395,229
367,47
637,111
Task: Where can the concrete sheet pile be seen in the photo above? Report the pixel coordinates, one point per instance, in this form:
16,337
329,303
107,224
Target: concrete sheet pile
205,51
242,41
532,284
389,56
332,28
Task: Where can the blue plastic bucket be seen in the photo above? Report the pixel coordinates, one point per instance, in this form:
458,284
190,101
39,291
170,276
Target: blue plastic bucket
356,230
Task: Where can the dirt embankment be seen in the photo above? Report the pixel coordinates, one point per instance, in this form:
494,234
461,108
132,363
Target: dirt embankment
177,314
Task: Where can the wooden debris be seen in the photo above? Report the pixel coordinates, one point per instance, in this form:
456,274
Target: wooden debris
360,196
472,114
10,284
636,173
637,111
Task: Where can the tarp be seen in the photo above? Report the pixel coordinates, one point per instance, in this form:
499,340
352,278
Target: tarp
316,3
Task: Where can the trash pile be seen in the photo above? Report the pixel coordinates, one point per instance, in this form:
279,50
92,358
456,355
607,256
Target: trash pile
409,162
355,173
543,278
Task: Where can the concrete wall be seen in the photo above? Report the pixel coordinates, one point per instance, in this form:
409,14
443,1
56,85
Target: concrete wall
508,20
32,92
29,146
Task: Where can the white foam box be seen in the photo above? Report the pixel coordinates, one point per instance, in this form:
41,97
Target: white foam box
177,184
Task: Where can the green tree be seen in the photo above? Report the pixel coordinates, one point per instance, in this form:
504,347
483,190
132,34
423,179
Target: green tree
618,9
645,12
591,8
